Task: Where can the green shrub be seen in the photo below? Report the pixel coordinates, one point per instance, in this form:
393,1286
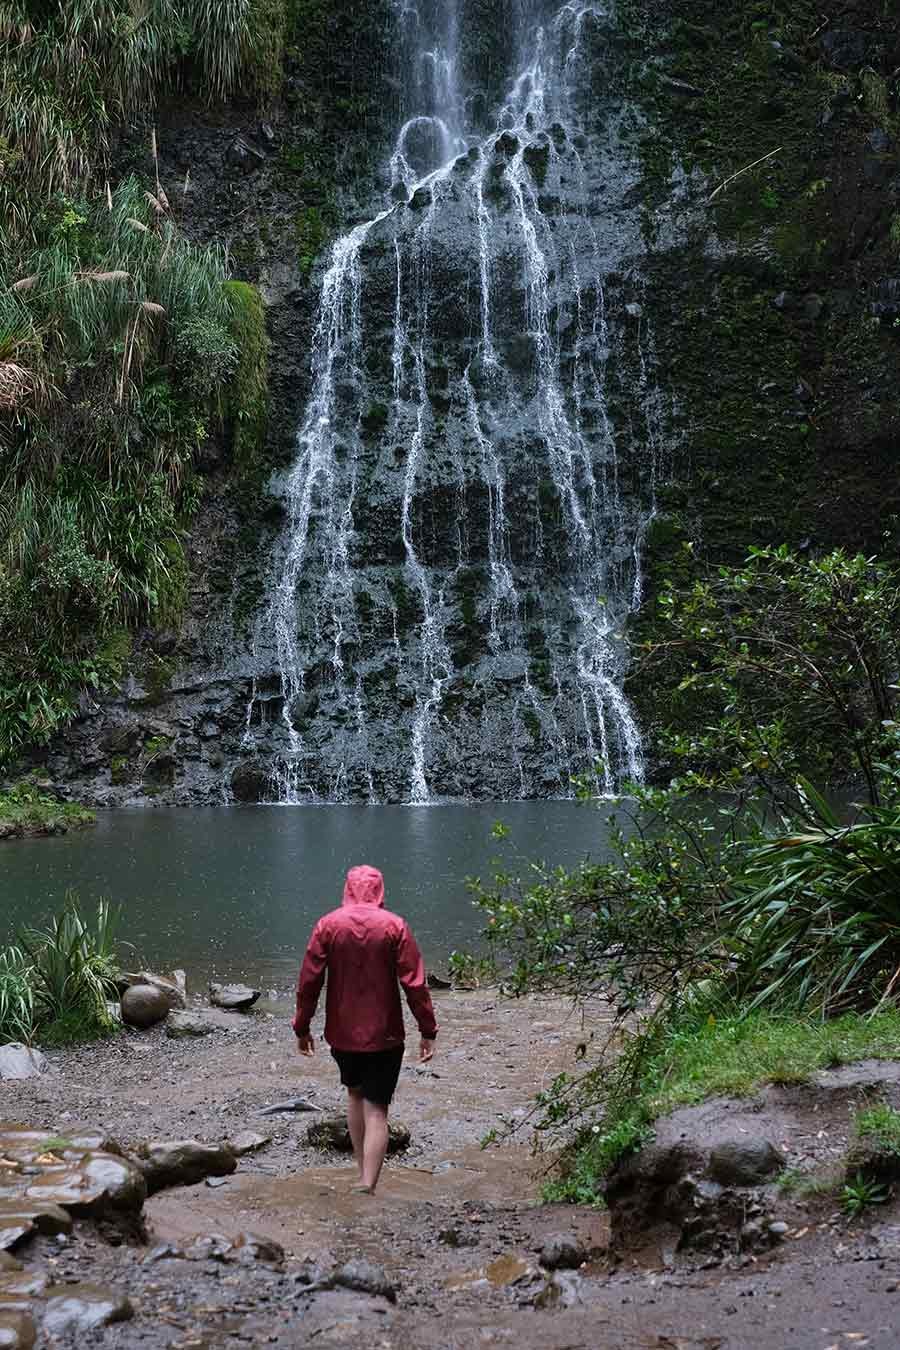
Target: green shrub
17,1012
72,972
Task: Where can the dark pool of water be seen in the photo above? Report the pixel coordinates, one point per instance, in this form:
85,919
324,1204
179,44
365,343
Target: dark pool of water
234,892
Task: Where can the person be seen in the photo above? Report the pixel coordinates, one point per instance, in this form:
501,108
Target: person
367,953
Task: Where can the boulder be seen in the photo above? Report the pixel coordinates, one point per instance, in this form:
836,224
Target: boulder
561,1251
174,989
74,1308
251,1247
745,1162
20,1061
333,1133
233,997
143,1006
198,1022
183,1162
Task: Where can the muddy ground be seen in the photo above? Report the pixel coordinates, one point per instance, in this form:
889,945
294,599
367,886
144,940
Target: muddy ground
456,1228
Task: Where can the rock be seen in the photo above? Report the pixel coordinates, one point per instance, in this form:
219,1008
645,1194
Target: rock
174,989
778,1230
365,1278
98,1185
745,1162
437,981
20,1061
248,1142
143,1005
164,1251
250,1247
293,1104
209,1247
562,1290
333,1133
455,1237
199,1022
17,1331
236,997
561,1251
215,1182
82,1307
183,1162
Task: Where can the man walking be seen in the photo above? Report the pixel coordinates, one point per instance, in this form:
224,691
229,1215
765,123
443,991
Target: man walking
365,950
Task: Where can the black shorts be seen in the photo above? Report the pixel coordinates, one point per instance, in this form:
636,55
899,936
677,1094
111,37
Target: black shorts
374,1073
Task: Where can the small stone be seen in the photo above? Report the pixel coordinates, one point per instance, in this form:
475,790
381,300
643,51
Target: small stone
210,1247
82,1307
562,1290
214,1182
234,997
778,1229
561,1251
365,1278
21,1061
144,1006
744,1162
164,1251
243,155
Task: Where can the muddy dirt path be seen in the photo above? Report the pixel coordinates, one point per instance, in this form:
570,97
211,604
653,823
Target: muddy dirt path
456,1228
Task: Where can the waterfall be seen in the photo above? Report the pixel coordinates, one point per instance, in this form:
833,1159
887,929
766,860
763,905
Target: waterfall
476,464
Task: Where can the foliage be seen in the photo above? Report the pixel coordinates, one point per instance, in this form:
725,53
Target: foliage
72,971
861,1193
742,913
879,1126
16,998
57,129
785,664
124,344
26,809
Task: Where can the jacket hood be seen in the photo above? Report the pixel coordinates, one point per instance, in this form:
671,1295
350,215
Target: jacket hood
364,886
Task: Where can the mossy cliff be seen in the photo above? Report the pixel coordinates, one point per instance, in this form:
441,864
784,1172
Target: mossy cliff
778,327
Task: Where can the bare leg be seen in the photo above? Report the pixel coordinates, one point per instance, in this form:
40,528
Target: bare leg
375,1143
356,1125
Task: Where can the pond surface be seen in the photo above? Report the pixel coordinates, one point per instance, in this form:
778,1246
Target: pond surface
233,892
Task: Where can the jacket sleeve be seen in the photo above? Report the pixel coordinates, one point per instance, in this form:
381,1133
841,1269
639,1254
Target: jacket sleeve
309,985
411,974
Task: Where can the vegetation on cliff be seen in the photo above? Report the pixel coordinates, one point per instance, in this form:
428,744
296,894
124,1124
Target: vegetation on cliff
26,808
122,347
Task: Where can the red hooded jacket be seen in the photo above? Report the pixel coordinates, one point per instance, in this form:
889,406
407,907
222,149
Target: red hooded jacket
365,949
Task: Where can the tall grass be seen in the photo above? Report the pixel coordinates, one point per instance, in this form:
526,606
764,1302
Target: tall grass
58,125
17,1011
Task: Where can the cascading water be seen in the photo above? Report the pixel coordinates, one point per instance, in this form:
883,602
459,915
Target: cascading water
475,466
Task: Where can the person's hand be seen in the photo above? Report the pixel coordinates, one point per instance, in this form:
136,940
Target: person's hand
426,1050
306,1045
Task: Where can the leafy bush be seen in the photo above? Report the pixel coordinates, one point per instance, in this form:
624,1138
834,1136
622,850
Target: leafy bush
124,340
72,972
17,1012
